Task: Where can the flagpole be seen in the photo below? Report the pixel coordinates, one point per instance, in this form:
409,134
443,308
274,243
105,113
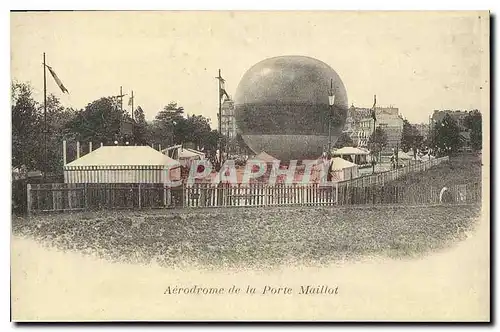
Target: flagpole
220,121
132,100
374,117
330,122
220,107
44,119
374,126
121,99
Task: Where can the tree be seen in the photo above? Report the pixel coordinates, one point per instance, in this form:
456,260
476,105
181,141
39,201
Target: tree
165,122
100,121
343,140
211,145
142,129
57,119
194,129
380,137
377,142
27,126
212,140
446,136
171,127
474,122
411,137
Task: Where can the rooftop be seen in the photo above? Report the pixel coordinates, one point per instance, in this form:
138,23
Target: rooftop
124,156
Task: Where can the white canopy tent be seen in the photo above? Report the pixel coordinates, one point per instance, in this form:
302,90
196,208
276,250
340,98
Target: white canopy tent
404,156
350,151
342,169
352,154
185,156
122,164
185,153
171,151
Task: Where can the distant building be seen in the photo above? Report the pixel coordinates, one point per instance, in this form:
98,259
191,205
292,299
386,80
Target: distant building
423,129
391,122
364,132
353,126
359,124
228,121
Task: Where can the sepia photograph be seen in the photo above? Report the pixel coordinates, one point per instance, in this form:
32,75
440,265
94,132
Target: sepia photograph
250,166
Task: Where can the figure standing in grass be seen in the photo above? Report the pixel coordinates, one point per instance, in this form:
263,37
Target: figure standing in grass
445,196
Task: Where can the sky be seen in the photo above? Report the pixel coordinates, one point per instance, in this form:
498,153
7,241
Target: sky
416,61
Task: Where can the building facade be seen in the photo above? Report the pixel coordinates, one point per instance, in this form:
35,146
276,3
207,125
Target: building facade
359,124
391,122
228,121
364,131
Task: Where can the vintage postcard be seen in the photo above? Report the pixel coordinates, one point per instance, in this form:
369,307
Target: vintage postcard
250,165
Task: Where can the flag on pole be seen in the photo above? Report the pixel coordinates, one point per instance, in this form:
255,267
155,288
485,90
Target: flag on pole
222,88
373,108
130,101
58,81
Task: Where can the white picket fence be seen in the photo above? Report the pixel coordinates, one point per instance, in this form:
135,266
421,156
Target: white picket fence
385,177
373,189
256,194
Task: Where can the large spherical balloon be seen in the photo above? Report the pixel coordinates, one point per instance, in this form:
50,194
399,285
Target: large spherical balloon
282,107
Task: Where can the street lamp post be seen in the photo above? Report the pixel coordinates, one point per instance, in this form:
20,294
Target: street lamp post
374,142
331,101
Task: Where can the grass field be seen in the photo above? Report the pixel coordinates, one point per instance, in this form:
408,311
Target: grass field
255,237
460,169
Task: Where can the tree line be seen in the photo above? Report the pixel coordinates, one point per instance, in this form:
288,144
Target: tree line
104,121
101,121
445,136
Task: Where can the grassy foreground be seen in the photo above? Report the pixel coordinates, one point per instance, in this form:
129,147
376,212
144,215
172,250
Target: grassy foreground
255,237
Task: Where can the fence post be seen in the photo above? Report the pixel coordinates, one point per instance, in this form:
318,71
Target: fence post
28,199
85,193
266,196
52,185
202,190
164,195
140,196
184,195
70,185
337,193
